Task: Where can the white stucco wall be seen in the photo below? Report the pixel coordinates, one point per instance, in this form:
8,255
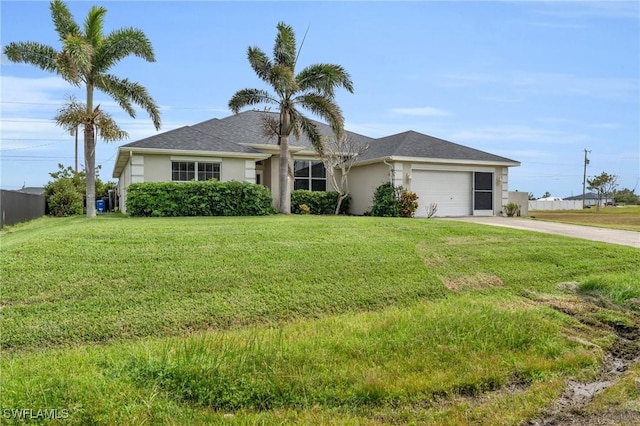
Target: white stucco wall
363,181
157,168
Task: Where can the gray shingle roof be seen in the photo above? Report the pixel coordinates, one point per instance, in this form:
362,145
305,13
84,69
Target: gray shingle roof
246,128
234,133
414,144
189,138
587,196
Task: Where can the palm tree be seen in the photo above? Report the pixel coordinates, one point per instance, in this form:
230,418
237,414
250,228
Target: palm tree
312,89
84,60
74,114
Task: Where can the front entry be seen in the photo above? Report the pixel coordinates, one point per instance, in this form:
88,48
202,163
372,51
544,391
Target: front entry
483,194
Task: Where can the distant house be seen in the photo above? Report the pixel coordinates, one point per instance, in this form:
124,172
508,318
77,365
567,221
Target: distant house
460,180
591,199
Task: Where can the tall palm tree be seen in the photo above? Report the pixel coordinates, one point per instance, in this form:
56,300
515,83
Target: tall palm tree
312,89
84,60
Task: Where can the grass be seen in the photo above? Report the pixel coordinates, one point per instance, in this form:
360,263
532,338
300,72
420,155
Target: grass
622,217
296,320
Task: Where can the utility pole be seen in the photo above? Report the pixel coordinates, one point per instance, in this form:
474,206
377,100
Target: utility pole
584,176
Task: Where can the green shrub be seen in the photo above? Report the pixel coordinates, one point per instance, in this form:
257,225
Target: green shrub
392,201
512,209
206,198
64,198
408,203
385,201
318,202
304,209
67,189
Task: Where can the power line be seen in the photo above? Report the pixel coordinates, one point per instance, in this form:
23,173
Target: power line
165,107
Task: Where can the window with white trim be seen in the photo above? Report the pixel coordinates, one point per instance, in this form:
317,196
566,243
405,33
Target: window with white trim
309,175
185,171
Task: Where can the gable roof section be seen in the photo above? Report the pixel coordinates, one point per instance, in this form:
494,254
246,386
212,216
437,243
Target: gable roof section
416,145
246,128
189,138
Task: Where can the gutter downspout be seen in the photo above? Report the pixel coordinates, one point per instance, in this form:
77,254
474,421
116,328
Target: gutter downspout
392,173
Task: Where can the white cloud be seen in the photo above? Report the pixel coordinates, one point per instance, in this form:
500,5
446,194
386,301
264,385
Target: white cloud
421,112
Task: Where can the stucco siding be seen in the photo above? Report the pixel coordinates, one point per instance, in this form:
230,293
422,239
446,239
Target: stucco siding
157,168
123,183
232,169
363,181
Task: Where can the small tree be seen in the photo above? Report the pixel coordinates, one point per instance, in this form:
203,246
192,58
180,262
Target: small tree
66,191
627,196
605,184
340,153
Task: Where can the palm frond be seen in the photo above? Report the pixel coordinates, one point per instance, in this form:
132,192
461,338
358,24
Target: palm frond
325,108
31,52
77,53
247,97
324,78
93,25
284,49
283,81
126,92
259,62
63,20
74,114
107,128
121,43
71,115
306,126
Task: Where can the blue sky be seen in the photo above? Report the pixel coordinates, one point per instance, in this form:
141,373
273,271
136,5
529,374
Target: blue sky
537,82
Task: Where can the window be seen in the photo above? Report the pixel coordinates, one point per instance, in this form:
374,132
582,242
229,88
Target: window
310,175
208,171
184,171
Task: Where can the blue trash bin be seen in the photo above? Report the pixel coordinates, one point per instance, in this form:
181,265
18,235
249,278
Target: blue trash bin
100,206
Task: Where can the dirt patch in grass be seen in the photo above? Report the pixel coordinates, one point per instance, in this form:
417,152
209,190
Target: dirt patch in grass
624,352
478,281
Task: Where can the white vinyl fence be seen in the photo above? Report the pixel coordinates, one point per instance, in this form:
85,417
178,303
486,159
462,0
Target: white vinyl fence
555,205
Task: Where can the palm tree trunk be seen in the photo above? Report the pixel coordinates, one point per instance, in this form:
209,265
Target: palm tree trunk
75,132
90,156
285,190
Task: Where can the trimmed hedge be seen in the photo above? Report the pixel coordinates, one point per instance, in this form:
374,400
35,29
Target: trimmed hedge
319,202
205,198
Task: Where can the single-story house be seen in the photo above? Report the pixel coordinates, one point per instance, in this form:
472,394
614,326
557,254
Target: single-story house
591,199
462,181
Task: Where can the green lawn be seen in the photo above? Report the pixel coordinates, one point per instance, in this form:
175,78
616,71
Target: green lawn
300,319
620,217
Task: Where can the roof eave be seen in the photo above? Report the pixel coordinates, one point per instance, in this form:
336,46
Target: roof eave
505,163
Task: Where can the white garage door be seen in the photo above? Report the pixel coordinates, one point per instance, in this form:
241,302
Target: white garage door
451,191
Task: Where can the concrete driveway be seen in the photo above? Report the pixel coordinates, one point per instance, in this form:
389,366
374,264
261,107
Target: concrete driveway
613,236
